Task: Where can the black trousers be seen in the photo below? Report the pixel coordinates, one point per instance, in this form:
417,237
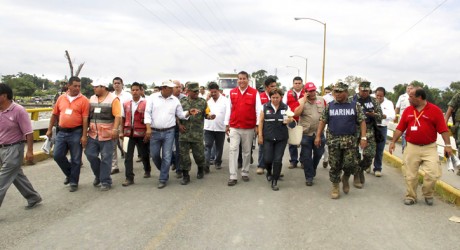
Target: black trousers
143,152
273,157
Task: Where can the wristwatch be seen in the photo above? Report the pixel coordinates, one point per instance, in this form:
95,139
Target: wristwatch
364,138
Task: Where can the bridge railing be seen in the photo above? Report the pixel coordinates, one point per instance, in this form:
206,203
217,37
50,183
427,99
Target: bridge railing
37,123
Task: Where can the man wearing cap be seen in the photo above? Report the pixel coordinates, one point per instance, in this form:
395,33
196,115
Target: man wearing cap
71,112
373,113
191,136
16,129
123,96
310,109
343,117
104,121
241,119
160,120
291,98
269,84
328,97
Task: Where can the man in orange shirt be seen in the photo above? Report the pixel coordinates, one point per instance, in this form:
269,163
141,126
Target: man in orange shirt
71,111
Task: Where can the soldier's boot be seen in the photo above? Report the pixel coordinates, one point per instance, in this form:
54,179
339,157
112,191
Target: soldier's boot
361,177
357,181
200,173
335,193
185,178
275,185
346,185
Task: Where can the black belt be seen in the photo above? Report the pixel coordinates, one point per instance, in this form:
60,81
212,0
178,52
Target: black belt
68,130
11,144
421,145
162,129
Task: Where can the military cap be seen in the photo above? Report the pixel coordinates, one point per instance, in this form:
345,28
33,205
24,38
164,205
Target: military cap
365,85
340,86
193,86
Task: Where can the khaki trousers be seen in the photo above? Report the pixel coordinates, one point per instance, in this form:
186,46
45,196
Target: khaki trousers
244,136
426,158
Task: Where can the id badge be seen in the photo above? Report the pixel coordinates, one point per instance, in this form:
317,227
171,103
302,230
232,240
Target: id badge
97,110
413,128
68,111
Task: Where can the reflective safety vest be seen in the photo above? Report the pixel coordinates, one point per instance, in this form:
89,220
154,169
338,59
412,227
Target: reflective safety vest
136,129
101,118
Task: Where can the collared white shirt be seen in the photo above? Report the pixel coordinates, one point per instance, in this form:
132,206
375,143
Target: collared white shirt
258,107
123,96
388,110
403,102
161,112
328,98
219,108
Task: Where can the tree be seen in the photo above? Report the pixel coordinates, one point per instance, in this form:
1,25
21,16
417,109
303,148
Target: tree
86,87
67,55
259,76
21,86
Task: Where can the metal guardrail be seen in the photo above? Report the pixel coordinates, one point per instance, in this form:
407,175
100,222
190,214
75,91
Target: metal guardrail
37,124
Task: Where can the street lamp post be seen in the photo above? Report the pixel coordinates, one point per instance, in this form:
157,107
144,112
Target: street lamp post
324,47
306,64
298,70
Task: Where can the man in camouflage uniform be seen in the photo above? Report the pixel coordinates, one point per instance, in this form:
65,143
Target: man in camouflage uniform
452,109
191,133
373,112
343,117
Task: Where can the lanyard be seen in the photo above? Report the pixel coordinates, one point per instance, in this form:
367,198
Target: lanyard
417,117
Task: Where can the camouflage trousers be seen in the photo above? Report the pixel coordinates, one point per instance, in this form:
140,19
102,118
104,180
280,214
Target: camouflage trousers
368,152
341,159
197,152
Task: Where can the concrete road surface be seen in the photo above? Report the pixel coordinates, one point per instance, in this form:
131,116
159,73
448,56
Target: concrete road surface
207,214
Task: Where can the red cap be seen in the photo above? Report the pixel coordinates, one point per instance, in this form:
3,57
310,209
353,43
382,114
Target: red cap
309,86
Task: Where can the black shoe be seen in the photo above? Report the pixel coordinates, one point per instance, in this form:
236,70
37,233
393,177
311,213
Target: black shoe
429,201
147,175
66,180
409,202
274,185
232,182
173,167
200,174
185,180
127,182
161,185
206,170
105,187
73,188
218,166
309,183
115,171
245,178
269,177
96,183
33,204
179,175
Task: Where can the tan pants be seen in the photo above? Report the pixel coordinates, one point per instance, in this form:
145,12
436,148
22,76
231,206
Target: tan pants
244,136
426,158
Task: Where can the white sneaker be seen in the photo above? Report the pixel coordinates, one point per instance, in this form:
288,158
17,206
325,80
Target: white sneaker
378,174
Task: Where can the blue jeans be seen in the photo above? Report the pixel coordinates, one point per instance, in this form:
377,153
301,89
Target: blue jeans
403,141
273,156
162,141
310,155
101,167
261,162
379,151
69,142
294,154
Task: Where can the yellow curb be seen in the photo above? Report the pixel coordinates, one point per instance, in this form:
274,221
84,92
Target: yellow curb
446,191
38,156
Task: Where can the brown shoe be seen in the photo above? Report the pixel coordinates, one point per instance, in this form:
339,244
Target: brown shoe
357,182
127,182
345,184
115,171
292,165
147,175
245,178
232,182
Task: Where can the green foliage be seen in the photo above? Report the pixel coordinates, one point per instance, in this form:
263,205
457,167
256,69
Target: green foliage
86,88
260,76
20,86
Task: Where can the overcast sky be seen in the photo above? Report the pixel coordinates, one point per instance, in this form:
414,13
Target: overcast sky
155,40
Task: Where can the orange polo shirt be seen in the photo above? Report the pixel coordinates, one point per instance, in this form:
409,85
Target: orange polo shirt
71,114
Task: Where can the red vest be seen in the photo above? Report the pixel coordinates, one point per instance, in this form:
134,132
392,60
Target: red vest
243,113
138,128
264,97
292,100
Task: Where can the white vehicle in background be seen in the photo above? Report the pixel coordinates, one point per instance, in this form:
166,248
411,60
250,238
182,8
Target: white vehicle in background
229,81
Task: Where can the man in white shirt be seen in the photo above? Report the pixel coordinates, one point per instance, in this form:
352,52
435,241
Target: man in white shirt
388,116
401,105
328,97
160,120
124,96
214,130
